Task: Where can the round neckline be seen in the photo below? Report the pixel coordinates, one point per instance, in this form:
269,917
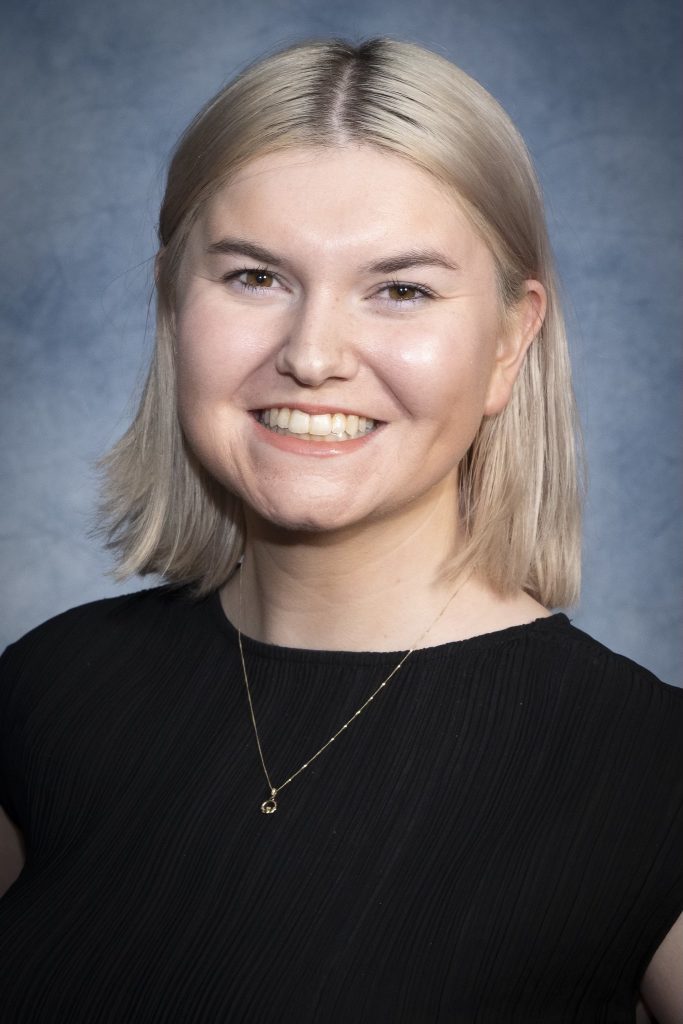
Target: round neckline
546,624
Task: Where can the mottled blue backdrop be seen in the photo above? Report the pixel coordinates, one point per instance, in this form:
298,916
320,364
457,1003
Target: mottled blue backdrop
95,94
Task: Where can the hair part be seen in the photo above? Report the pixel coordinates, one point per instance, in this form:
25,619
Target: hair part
521,482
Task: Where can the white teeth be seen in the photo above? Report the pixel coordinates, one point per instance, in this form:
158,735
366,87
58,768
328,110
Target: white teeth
316,426
299,422
321,426
339,424
352,425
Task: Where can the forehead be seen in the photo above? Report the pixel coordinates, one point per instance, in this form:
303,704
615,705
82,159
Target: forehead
338,198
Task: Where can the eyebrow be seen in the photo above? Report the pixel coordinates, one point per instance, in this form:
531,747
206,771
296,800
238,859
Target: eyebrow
240,247
389,265
411,258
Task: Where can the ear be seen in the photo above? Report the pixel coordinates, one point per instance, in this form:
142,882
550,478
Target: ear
523,324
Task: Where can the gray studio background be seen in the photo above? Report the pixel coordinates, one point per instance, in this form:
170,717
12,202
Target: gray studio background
95,95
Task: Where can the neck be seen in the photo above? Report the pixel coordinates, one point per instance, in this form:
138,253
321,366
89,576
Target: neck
378,587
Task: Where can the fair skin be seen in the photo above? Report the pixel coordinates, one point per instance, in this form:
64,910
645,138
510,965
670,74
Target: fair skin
342,537
283,303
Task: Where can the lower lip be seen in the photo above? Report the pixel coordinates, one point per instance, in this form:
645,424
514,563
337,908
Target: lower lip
315,449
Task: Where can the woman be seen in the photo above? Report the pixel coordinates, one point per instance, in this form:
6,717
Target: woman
346,765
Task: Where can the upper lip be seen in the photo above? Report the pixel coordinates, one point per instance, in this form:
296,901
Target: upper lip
316,410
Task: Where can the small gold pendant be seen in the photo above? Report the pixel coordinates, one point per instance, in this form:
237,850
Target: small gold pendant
269,806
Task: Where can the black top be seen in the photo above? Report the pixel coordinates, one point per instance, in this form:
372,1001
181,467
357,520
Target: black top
499,837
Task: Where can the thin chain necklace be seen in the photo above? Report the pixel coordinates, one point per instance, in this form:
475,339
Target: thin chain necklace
269,806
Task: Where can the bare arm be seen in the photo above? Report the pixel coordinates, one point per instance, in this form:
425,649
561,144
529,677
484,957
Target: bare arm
662,985
12,856
643,1016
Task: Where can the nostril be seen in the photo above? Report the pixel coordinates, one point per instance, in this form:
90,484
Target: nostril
314,352
310,371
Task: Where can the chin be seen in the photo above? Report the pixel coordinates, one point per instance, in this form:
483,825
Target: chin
313,520
297,523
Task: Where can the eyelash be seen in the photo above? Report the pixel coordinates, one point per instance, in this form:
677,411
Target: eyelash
236,274
422,291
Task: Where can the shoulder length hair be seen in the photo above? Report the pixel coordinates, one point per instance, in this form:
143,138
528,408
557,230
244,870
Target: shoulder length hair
520,492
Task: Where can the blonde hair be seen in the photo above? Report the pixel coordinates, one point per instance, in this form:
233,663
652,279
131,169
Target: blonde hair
520,492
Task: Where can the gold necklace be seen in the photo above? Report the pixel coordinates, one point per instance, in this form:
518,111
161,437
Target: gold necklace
269,806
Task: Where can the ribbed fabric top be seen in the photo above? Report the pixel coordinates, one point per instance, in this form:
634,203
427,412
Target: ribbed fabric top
499,837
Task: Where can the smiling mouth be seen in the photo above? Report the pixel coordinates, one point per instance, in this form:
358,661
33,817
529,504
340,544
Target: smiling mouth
336,426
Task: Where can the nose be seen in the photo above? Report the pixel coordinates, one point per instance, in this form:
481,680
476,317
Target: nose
317,346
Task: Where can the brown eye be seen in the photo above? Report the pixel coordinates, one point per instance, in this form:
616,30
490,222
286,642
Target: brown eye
258,279
402,292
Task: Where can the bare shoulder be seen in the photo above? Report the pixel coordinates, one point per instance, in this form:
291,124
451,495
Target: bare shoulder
490,612
523,608
662,984
12,855
643,1016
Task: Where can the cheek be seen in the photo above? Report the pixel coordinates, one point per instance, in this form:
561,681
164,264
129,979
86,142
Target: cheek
215,351
441,370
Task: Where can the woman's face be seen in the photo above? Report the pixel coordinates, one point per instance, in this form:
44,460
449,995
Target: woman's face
339,337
